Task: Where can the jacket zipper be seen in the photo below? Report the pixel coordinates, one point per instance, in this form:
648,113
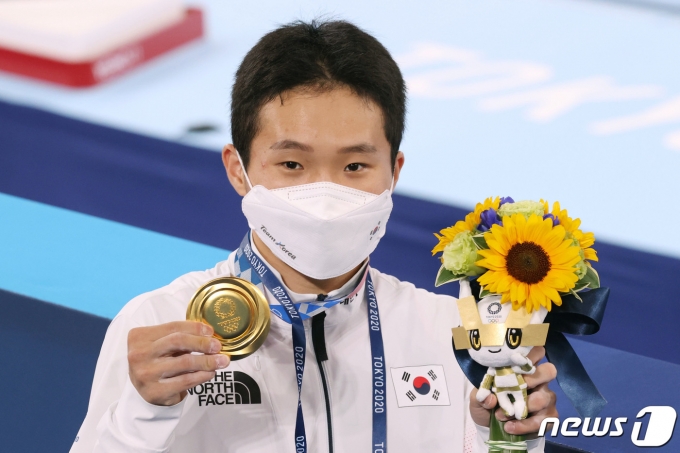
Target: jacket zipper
319,343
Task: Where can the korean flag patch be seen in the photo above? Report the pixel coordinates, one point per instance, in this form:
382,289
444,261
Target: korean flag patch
420,386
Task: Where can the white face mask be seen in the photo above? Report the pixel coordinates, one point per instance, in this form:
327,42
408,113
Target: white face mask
322,229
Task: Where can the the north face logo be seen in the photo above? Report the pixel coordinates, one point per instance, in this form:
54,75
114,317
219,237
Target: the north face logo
228,387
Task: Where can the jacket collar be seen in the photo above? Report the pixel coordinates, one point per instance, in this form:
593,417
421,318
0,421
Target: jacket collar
340,315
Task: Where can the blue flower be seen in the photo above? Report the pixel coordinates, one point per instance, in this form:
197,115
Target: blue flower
506,200
555,220
488,218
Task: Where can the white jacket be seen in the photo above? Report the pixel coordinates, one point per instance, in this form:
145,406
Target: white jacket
250,406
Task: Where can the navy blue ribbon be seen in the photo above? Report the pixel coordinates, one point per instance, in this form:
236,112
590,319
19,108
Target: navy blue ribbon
278,290
378,356
573,317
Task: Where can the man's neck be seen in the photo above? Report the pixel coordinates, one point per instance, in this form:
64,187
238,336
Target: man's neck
298,282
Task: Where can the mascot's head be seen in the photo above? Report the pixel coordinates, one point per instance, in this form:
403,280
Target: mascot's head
492,332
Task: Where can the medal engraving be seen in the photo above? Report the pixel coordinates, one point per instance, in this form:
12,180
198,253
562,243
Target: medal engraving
225,308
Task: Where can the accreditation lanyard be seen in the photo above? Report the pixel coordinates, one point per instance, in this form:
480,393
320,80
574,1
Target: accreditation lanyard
278,290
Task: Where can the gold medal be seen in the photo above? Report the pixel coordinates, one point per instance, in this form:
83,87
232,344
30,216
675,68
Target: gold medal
237,311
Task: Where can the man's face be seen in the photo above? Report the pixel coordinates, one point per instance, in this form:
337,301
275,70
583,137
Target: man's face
315,136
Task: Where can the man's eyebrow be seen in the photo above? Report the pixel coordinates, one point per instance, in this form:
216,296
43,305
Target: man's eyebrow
291,144
359,148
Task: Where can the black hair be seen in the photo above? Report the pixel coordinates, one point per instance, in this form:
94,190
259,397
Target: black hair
321,55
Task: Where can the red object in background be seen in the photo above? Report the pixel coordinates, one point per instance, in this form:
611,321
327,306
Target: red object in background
109,65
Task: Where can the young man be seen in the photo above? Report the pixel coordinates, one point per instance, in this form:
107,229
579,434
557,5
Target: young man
317,119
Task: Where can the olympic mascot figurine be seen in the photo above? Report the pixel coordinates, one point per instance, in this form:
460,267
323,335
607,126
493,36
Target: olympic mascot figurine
520,264
500,338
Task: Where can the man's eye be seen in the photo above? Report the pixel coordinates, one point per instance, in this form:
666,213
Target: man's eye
290,165
354,167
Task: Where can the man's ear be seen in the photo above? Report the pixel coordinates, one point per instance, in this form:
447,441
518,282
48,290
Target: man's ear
398,164
234,170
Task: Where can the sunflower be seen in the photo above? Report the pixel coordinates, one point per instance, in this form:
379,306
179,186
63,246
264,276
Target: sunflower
469,224
586,240
529,262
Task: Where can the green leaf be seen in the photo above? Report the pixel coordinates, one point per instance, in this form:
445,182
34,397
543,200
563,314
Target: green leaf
590,280
581,284
483,292
480,242
593,276
576,295
445,276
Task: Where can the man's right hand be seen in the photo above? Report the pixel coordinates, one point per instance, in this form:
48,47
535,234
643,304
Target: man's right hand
162,367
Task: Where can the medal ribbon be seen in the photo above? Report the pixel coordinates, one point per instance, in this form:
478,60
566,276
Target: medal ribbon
378,363
252,268
246,269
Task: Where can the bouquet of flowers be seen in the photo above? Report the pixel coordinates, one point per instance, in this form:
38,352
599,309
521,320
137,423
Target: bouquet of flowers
521,250
539,260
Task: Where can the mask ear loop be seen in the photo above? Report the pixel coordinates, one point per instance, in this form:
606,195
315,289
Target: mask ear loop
392,185
243,167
